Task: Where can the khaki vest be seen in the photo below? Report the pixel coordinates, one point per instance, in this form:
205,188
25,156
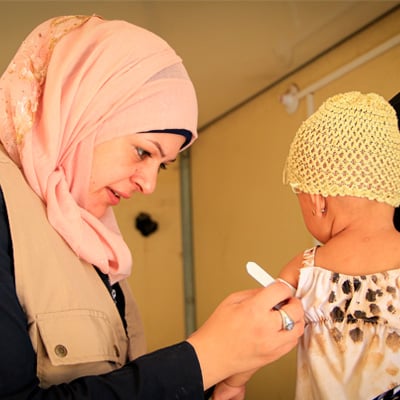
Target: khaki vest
73,323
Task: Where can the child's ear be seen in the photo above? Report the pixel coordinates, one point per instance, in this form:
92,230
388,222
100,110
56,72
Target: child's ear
318,203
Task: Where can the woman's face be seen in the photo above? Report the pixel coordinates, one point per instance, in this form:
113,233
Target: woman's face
128,164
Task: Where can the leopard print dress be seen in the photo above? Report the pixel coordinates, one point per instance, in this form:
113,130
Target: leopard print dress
351,345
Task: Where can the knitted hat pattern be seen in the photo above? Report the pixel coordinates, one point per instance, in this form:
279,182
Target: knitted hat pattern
349,147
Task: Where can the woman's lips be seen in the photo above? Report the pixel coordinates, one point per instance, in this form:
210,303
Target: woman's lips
114,197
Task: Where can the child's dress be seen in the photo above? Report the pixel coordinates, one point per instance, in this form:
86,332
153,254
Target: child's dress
351,344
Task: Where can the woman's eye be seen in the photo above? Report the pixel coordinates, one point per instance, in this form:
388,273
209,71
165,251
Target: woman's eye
142,153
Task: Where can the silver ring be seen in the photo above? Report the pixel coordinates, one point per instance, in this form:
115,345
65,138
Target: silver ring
287,322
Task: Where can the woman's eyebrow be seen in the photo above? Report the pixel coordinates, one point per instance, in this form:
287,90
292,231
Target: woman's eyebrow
158,147
161,150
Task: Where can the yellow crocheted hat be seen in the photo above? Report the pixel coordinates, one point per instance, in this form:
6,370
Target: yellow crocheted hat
349,147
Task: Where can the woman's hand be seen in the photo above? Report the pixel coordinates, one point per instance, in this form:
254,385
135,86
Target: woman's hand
245,333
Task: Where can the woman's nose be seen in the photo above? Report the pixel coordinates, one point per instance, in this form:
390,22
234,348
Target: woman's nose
146,180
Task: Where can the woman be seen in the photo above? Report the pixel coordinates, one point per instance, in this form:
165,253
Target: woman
91,110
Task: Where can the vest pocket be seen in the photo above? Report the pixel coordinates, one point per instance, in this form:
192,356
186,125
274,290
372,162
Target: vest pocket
77,337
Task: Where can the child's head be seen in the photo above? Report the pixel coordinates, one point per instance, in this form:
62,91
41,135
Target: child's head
349,147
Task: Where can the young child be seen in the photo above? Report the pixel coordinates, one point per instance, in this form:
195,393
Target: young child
344,166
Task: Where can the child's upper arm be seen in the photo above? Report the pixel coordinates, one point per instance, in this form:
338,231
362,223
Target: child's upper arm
290,272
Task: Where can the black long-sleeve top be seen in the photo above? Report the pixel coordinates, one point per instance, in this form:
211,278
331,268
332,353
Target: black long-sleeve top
169,373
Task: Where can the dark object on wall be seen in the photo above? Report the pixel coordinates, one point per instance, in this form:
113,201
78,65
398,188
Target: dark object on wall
145,225
395,102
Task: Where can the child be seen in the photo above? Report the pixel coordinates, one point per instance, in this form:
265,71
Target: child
344,166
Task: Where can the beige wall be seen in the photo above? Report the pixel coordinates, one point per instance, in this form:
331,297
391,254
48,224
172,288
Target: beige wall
242,211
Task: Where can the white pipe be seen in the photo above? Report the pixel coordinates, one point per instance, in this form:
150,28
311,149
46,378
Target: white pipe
395,40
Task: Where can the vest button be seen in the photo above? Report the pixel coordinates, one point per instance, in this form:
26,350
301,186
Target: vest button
116,350
61,351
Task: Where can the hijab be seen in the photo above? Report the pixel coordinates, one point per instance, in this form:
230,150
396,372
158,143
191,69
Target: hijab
75,82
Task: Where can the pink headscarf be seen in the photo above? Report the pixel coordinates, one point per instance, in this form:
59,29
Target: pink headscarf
77,81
